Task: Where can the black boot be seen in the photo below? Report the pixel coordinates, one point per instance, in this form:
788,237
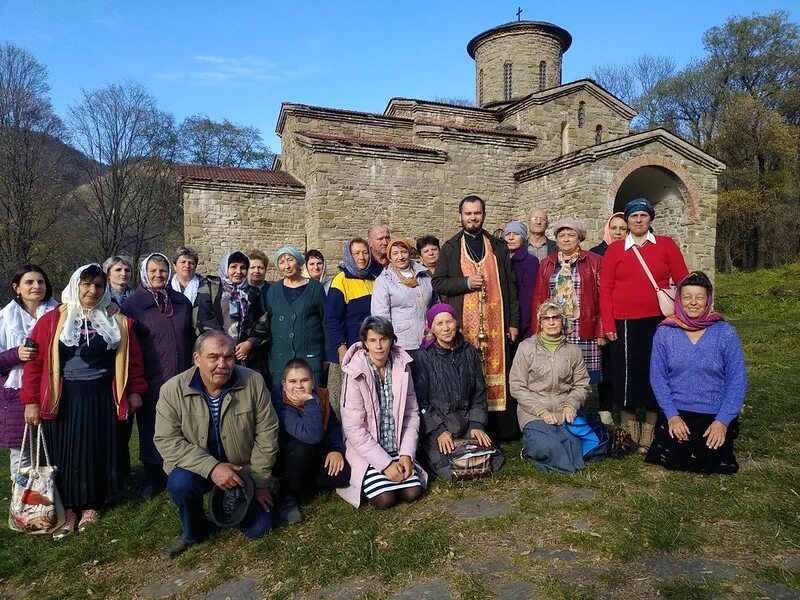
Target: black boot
154,481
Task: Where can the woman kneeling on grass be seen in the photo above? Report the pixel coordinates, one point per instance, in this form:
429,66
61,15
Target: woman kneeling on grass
698,375
380,419
311,446
550,382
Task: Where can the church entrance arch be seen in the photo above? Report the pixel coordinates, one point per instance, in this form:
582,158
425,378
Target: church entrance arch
665,184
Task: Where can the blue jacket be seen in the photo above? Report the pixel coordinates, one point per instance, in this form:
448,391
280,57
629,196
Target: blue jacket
346,306
306,425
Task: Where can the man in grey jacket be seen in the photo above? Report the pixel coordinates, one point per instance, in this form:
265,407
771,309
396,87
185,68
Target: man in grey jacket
214,421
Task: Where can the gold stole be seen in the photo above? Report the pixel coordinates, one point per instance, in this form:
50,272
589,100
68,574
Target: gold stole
495,367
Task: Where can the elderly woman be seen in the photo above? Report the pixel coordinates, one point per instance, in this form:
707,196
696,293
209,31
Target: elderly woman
32,298
571,277
550,382
346,306
451,393
186,280
119,270
380,420
403,294
315,269
631,314
526,270
429,249
296,309
615,229
86,376
163,323
698,375
257,272
228,303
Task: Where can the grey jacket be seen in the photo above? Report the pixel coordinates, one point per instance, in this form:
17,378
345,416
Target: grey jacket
248,426
542,382
404,306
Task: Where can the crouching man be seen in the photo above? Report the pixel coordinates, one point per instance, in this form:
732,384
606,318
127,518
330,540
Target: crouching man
214,421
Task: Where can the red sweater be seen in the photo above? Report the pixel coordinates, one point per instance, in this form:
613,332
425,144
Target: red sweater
39,386
625,290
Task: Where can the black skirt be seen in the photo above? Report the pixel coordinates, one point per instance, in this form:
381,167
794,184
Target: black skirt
630,363
83,443
693,455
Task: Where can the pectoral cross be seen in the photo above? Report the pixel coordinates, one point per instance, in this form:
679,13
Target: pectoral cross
519,12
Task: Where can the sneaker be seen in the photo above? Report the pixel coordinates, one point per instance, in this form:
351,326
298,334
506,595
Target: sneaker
88,518
177,546
68,528
290,511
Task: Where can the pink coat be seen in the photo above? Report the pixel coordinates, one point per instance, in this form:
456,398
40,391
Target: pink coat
360,408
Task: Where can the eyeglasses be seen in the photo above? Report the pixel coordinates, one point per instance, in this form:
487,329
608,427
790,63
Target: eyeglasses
551,318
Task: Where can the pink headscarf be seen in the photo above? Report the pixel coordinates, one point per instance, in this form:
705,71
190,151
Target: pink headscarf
432,313
607,229
682,320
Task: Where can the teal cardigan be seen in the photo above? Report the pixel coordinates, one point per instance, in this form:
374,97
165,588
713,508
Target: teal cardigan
297,329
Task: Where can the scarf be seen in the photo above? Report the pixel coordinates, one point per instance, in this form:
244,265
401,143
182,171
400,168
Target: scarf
564,293
160,296
551,343
190,291
79,318
407,281
235,294
348,264
15,325
322,397
682,321
120,297
607,231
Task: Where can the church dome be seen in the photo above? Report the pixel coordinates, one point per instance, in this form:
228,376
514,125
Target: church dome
517,58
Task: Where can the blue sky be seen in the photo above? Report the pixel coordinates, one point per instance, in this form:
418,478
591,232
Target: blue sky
241,59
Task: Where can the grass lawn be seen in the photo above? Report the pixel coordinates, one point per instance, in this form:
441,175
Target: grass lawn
600,533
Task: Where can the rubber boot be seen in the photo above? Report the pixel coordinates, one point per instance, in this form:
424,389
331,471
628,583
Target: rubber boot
633,427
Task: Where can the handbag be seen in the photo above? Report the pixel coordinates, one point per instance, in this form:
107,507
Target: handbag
469,460
665,297
36,507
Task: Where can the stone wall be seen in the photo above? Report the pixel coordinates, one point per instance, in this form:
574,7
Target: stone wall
588,191
545,120
220,218
524,50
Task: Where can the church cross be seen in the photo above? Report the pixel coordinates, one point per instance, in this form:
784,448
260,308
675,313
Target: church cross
519,12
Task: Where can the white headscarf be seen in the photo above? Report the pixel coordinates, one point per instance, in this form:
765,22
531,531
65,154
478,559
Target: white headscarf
190,291
79,317
15,325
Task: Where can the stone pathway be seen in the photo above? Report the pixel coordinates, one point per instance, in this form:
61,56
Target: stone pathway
244,589
436,589
572,494
478,508
667,567
166,588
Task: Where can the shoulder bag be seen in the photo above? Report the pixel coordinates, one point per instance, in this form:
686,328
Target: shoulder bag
35,504
666,297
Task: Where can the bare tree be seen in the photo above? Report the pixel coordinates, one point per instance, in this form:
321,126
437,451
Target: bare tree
31,160
132,143
204,141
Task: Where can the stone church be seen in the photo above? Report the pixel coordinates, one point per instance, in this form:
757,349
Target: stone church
530,141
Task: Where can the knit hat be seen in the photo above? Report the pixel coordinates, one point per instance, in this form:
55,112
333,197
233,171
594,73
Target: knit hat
517,227
638,204
570,223
432,313
291,251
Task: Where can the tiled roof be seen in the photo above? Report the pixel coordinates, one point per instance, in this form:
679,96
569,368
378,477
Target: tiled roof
368,142
236,175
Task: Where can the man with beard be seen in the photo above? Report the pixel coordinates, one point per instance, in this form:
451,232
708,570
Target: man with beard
215,425
474,276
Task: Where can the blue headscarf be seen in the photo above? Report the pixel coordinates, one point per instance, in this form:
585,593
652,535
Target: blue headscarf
638,204
291,252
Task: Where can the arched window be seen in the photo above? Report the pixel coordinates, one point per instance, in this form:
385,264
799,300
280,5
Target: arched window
507,81
581,114
542,75
598,134
480,87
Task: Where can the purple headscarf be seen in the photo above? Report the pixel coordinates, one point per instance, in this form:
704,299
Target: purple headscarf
682,320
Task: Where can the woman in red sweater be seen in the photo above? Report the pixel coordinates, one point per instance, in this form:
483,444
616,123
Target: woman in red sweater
630,313
87,375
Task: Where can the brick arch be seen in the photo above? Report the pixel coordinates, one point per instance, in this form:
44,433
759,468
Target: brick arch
686,186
